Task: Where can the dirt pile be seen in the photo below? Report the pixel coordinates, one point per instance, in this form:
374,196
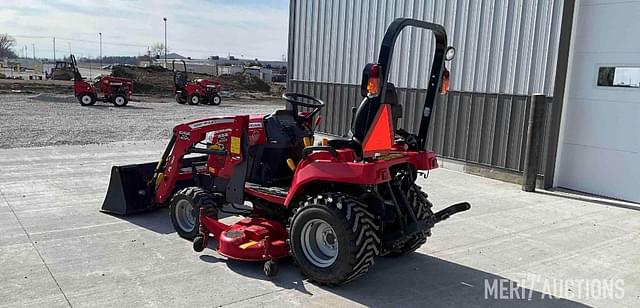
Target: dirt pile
158,80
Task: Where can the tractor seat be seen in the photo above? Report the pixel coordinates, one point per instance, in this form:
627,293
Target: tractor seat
181,80
360,118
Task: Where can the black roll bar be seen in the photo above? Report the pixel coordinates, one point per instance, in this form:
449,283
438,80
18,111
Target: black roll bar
173,68
76,71
385,57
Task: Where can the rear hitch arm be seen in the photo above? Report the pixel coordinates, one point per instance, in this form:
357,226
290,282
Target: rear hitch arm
449,211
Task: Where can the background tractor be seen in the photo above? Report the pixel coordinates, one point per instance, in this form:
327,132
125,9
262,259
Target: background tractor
61,71
116,90
195,91
333,205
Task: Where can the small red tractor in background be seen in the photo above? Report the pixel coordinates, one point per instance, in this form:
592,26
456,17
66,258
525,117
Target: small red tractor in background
116,90
334,205
196,91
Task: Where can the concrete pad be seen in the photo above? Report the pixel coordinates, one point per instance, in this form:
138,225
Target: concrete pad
25,280
102,260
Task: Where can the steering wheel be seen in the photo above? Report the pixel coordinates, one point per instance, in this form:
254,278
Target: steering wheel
303,100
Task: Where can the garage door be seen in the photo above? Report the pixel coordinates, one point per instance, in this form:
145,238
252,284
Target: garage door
600,136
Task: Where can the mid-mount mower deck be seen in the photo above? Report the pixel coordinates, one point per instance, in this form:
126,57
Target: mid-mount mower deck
116,90
334,206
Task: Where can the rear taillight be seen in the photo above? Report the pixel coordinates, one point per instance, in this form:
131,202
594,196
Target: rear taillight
444,83
373,83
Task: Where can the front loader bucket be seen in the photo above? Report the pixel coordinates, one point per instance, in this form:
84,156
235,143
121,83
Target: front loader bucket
129,191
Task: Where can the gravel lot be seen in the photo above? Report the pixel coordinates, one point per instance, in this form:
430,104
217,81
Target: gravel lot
48,119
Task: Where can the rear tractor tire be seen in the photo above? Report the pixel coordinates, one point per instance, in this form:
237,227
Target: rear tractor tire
180,99
185,208
87,99
333,238
422,209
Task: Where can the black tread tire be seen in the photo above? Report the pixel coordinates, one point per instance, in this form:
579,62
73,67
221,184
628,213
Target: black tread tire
212,100
113,100
91,95
190,99
355,228
422,209
199,198
180,99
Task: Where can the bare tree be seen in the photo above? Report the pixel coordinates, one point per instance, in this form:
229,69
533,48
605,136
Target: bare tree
157,49
6,43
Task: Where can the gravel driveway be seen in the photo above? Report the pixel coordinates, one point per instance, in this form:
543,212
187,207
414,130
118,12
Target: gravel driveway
47,119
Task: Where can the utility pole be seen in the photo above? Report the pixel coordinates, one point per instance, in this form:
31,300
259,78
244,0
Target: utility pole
165,41
33,48
54,48
100,33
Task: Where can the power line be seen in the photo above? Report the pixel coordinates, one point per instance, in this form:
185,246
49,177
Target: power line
203,51
78,40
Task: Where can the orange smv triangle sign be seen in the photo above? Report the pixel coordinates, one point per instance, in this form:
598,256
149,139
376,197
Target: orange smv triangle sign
380,136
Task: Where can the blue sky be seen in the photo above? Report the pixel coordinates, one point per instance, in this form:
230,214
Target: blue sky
249,28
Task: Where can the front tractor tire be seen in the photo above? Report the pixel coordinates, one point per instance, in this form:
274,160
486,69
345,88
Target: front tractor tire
216,99
194,99
119,100
333,238
185,208
87,99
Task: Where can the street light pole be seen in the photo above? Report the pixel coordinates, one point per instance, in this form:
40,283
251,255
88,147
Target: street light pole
165,41
100,33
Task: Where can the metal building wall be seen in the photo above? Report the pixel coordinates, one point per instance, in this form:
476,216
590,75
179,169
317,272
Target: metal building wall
506,50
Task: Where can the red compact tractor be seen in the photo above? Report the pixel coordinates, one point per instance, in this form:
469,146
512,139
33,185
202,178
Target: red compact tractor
115,90
334,206
195,91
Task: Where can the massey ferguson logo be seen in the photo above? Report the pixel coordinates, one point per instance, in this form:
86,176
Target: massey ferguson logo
255,125
210,122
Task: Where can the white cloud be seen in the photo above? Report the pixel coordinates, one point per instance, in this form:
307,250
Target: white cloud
195,28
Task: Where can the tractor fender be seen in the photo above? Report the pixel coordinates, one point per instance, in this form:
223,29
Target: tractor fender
323,167
81,87
351,173
192,89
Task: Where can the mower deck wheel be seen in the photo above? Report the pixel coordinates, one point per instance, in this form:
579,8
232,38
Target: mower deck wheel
194,99
185,208
333,238
198,243
119,100
87,99
271,268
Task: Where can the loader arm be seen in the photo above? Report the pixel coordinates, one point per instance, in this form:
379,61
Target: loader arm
183,142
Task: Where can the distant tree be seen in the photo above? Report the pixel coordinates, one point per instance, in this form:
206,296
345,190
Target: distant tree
6,43
157,49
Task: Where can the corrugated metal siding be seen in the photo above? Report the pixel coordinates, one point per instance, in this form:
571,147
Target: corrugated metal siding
504,46
506,50
486,129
